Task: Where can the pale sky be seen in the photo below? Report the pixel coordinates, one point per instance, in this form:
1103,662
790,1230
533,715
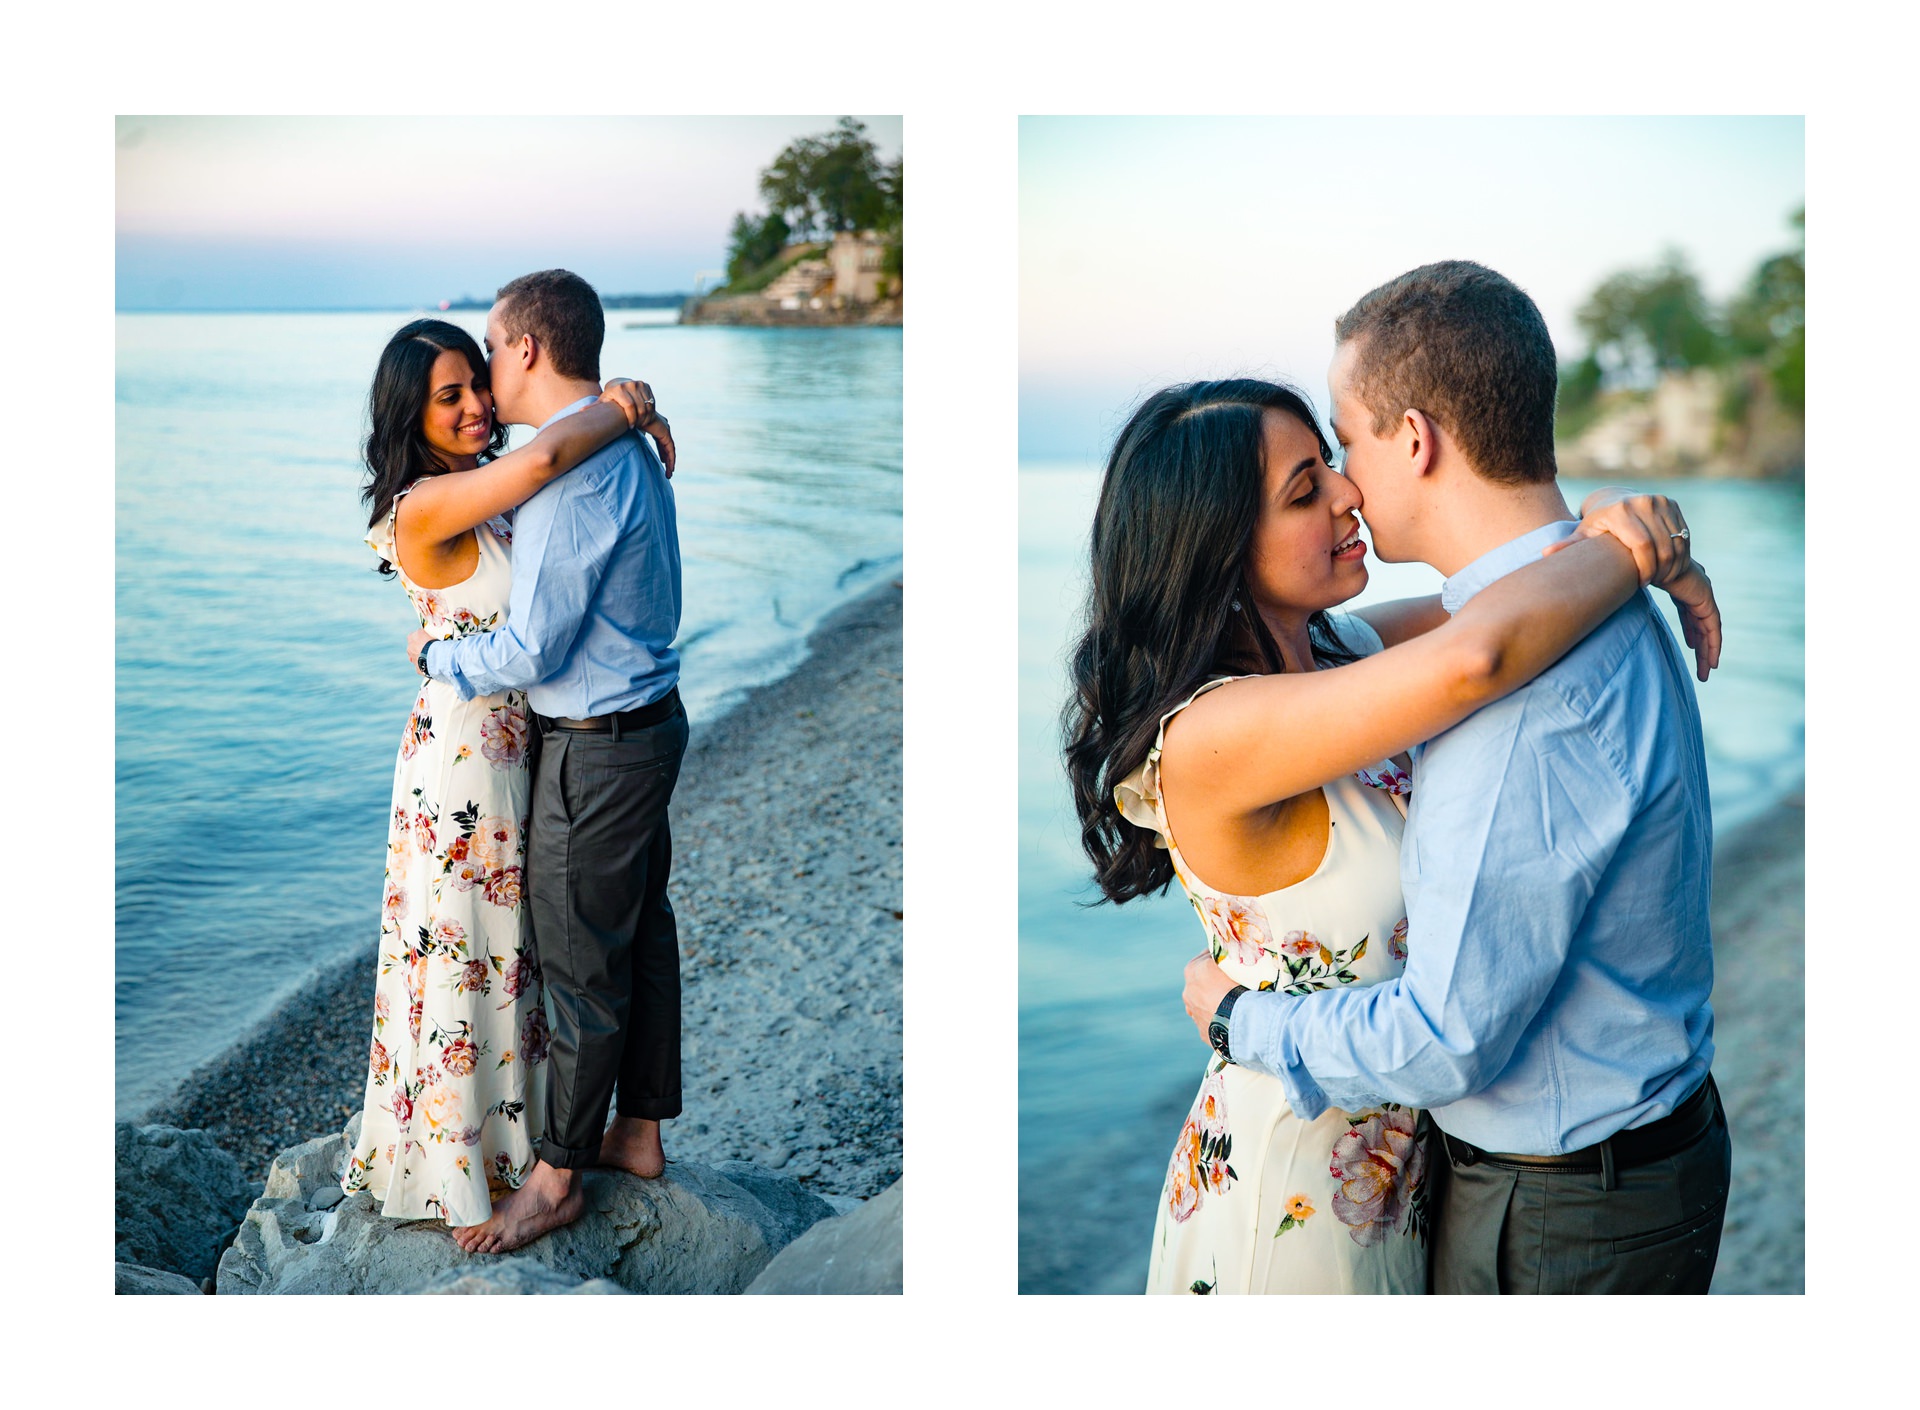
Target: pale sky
242,212
1159,250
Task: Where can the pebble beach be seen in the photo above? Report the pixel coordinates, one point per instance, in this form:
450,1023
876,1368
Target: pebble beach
787,887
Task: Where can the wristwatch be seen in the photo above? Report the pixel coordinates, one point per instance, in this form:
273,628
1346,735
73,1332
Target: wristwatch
1217,1029
421,659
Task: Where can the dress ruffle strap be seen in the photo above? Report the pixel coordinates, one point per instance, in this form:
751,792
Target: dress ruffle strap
1137,796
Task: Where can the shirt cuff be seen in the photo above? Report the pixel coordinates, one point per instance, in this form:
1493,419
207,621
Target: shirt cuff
1258,1039
440,667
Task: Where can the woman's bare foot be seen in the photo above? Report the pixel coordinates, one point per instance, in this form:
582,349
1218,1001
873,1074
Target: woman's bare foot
632,1144
550,1198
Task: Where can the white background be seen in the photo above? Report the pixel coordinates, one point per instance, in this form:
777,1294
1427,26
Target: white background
960,75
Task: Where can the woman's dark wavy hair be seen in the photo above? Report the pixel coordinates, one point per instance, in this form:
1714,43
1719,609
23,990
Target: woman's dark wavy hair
396,451
1171,539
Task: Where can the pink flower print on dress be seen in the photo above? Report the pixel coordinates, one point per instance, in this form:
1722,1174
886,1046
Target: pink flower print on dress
495,841
448,934
503,736
1218,1174
424,840
377,1060
1299,944
1237,923
468,874
459,1056
1183,1175
1379,1165
1397,942
394,906
503,888
428,606
1212,1106
402,1108
518,975
473,978
1389,778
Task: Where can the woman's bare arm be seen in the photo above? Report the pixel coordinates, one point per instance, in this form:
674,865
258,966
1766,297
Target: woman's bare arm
1404,618
443,507
1260,741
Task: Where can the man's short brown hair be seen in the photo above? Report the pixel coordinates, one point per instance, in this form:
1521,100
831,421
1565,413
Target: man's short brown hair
1468,348
563,313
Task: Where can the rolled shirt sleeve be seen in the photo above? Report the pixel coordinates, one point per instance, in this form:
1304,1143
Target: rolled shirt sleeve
1516,814
562,541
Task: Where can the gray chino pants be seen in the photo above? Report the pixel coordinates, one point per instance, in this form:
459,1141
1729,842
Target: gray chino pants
598,856
1498,1229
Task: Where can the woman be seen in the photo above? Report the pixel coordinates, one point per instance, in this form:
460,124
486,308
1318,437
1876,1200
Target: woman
1223,536
454,1091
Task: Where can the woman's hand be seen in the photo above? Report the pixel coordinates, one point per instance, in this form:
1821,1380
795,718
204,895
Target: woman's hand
1653,530
1699,617
636,399
1650,526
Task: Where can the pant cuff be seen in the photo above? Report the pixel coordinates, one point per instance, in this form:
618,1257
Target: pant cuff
649,1108
569,1158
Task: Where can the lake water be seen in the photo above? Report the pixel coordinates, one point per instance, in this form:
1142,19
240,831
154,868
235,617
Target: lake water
1108,1059
260,680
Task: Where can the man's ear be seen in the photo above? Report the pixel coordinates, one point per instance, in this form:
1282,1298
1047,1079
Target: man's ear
1418,427
528,351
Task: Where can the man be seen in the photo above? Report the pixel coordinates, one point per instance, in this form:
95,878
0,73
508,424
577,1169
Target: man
591,622
1553,1014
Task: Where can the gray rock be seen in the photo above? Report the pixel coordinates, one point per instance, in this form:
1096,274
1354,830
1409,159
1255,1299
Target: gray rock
858,1252
131,1278
697,1229
177,1198
513,1274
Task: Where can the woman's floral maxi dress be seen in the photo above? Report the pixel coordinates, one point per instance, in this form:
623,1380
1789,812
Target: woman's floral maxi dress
1257,1199
455,1069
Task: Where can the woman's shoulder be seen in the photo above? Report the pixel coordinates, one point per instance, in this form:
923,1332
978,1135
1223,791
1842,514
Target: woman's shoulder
1355,634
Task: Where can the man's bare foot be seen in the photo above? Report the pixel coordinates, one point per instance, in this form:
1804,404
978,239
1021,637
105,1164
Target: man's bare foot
550,1198
632,1144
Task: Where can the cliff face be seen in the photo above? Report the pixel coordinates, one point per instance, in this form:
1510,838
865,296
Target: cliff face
1722,422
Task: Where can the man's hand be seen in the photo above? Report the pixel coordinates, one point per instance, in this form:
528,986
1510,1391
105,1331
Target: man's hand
636,399
414,643
1206,987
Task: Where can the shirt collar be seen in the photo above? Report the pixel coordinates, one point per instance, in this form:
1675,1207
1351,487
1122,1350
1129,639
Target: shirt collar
568,411
1489,568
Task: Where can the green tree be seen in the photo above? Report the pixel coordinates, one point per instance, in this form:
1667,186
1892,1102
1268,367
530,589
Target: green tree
1646,321
753,242
826,183
1768,321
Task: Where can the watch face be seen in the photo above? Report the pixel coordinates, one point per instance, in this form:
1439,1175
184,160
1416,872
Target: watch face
1217,1035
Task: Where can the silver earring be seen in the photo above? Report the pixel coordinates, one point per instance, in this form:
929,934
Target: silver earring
1236,604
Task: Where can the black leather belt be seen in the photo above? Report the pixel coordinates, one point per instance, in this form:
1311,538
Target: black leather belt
1623,1150
619,722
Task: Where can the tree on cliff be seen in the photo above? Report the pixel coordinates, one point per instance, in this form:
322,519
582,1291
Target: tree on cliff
1640,323
828,183
1768,322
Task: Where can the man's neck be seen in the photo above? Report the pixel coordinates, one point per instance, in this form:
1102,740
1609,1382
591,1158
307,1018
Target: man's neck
1473,516
543,399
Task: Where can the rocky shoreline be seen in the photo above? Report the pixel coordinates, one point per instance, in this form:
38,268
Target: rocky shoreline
787,885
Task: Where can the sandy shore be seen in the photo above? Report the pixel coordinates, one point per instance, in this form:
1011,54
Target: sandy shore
786,881
1100,1245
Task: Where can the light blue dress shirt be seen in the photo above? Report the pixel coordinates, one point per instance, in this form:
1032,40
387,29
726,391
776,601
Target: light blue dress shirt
1555,867
596,592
